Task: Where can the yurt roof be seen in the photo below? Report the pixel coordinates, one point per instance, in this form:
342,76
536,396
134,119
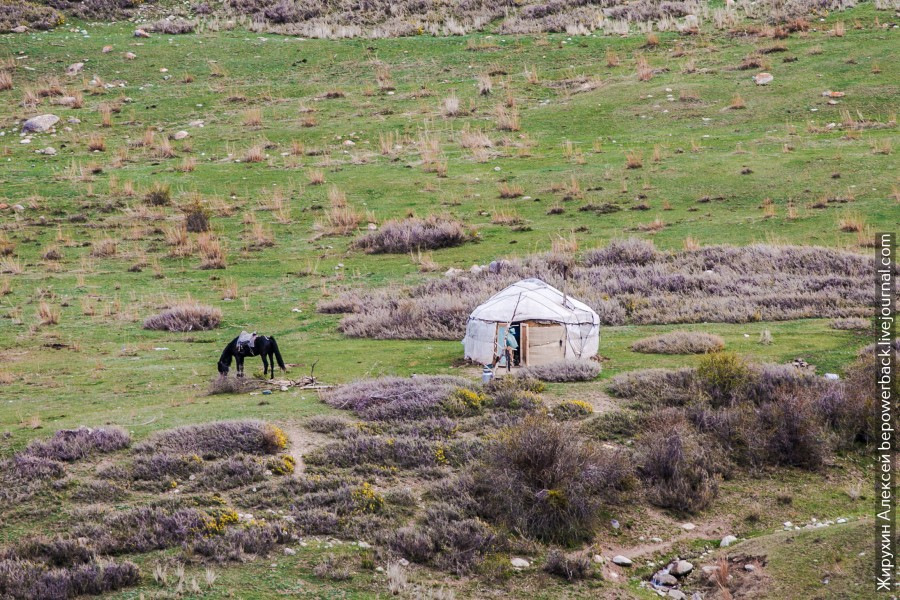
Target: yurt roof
534,300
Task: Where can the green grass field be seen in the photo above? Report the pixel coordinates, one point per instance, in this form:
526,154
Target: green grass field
774,171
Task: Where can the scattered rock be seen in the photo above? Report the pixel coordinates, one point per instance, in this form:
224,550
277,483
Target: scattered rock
676,595
107,49
688,526
622,561
681,568
40,124
48,151
75,68
666,579
364,545
841,520
832,376
599,559
19,29
196,123
519,563
727,541
74,120
130,56
830,94
140,33
749,568
709,569
763,78
180,135
289,552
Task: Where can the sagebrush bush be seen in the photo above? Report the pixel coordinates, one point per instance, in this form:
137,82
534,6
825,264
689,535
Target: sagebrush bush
218,440
174,26
25,580
395,398
563,371
679,342
237,542
853,323
656,387
677,466
539,479
631,282
570,568
30,14
74,444
413,234
615,425
185,316
446,538
722,375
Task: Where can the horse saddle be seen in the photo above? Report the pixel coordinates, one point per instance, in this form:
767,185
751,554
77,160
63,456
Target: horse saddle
247,342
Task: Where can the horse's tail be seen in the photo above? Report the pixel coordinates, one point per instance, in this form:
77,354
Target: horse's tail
277,354
225,359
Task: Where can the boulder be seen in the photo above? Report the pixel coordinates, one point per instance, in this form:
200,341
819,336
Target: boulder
130,56
676,595
107,49
688,526
622,561
180,135
749,568
75,68
49,151
519,563
19,29
727,541
681,568
141,33
40,123
763,78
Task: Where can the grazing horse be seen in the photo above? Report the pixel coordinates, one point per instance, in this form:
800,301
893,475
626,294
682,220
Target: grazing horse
246,345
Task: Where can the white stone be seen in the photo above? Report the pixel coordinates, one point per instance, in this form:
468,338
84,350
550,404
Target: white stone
141,33
841,520
763,78
599,559
622,561
519,563
180,135
688,526
49,151
289,552
74,68
749,568
40,123
681,568
727,541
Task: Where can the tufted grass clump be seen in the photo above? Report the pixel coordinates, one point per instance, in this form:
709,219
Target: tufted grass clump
572,409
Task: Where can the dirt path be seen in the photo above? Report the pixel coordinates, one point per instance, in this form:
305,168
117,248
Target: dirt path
302,442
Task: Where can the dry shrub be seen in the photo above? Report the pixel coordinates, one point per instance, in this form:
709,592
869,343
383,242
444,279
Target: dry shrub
538,479
159,194
229,385
217,440
563,371
851,324
96,143
47,314
634,160
414,234
737,103
507,118
212,252
631,282
677,466
679,342
104,247
571,568
395,398
70,445
255,154
6,81
185,316
315,176
656,387
94,576
172,26
723,376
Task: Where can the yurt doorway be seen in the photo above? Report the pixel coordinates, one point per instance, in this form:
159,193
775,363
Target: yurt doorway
516,338
544,343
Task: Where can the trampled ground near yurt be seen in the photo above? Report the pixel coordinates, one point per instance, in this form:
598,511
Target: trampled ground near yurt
320,190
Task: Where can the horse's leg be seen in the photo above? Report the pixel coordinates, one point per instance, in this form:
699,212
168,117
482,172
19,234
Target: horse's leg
265,365
240,365
272,364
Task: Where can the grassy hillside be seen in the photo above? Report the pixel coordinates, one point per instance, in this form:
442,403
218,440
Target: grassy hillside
294,146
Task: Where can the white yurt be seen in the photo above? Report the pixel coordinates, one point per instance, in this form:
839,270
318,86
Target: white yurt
548,325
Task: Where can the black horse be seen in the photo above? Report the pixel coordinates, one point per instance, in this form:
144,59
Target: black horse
259,345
